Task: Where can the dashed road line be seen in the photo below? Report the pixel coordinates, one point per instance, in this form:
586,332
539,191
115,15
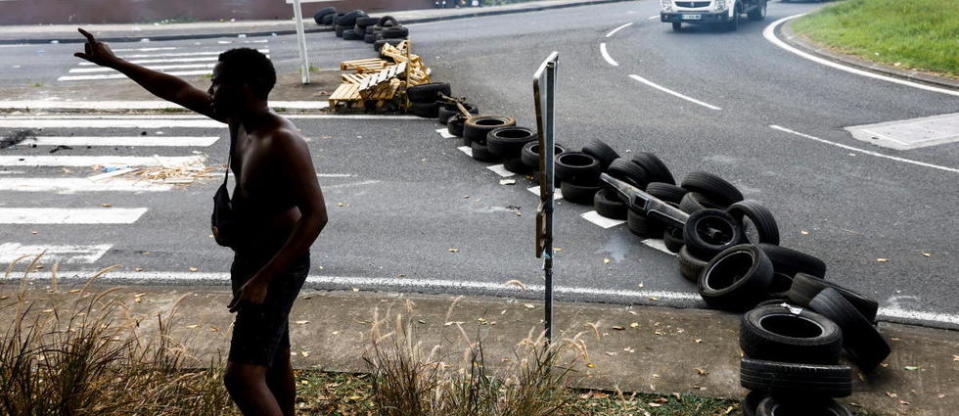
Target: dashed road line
617,29
674,93
595,218
500,170
609,59
70,215
863,151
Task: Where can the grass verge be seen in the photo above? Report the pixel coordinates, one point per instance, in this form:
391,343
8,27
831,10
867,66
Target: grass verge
915,34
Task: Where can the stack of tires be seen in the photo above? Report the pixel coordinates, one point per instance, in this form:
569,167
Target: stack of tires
325,16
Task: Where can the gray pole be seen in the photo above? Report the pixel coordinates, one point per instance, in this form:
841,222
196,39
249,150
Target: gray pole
301,40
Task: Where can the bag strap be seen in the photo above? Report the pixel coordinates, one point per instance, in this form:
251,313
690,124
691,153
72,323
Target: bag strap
229,158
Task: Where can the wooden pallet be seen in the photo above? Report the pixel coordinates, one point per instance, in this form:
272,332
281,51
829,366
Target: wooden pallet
363,66
347,93
385,75
353,78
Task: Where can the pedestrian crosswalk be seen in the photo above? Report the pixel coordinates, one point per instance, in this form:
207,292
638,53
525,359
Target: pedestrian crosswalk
194,60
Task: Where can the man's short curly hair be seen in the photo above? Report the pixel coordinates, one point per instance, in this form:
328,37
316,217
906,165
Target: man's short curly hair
250,66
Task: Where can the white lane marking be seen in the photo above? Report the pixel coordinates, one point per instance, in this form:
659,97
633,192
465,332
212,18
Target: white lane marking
65,254
162,61
87,161
97,69
335,175
121,76
159,141
658,245
770,34
138,122
557,193
138,105
867,152
595,218
158,55
11,172
70,215
899,313
116,172
653,17
613,32
445,133
609,59
166,48
350,185
500,170
674,93
466,149
66,186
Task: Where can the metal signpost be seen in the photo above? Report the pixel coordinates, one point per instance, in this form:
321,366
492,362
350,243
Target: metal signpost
301,37
544,84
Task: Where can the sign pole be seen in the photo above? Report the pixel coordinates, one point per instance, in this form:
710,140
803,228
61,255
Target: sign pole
544,84
301,40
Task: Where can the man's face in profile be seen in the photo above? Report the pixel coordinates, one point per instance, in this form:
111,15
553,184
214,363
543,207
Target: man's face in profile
224,91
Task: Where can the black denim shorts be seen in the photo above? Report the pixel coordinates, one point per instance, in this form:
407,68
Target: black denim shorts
261,332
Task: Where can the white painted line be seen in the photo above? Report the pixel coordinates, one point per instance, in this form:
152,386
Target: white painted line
66,186
87,161
899,313
141,105
653,17
10,252
159,141
466,149
500,170
595,218
658,245
164,61
11,172
116,172
674,93
770,34
351,185
609,59
335,175
138,122
444,133
866,152
70,215
155,68
167,48
557,193
613,32
121,76
158,55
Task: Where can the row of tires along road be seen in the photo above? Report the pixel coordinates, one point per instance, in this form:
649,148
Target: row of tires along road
357,25
797,323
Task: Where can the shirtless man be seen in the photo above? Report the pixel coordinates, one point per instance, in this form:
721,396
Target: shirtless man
279,205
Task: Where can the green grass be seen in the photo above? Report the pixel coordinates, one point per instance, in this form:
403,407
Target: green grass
909,34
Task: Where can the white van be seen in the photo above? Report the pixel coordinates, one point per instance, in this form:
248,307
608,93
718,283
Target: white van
722,12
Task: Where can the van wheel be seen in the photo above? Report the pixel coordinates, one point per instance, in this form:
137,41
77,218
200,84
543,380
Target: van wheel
759,13
677,26
733,25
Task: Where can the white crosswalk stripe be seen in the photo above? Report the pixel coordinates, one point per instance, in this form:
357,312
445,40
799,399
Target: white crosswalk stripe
155,68
79,161
66,186
158,141
65,254
173,60
70,215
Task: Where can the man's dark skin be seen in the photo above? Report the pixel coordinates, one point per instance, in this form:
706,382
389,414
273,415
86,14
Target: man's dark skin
276,176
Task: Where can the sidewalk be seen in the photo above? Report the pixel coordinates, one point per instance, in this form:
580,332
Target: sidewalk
638,349
135,32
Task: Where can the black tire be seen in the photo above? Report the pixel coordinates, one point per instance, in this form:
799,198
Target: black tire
378,44
673,239
773,406
601,151
863,342
387,21
577,168
515,165
628,172
805,287
338,30
792,335
656,170
349,18
710,231
369,38
767,230
751,402
693,202
322,13
481,153
428,93
394,32
371,30
349,34
780,285
530,153
666,191
328,19
713,188
455,125
508,142
477,127
736,279
733,25
677,26
607,203
796,380
789,261
759,13
690,266
642,226
448,110
579,194
365,21
426,110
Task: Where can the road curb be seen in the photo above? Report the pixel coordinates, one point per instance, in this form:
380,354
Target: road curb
786,34
262,33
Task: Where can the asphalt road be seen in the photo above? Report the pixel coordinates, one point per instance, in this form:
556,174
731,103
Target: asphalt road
400,197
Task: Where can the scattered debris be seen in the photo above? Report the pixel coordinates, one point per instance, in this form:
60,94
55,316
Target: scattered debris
17,137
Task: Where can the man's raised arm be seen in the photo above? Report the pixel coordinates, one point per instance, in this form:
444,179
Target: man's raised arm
165,86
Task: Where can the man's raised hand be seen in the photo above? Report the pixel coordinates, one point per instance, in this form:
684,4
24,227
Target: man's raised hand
95,51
